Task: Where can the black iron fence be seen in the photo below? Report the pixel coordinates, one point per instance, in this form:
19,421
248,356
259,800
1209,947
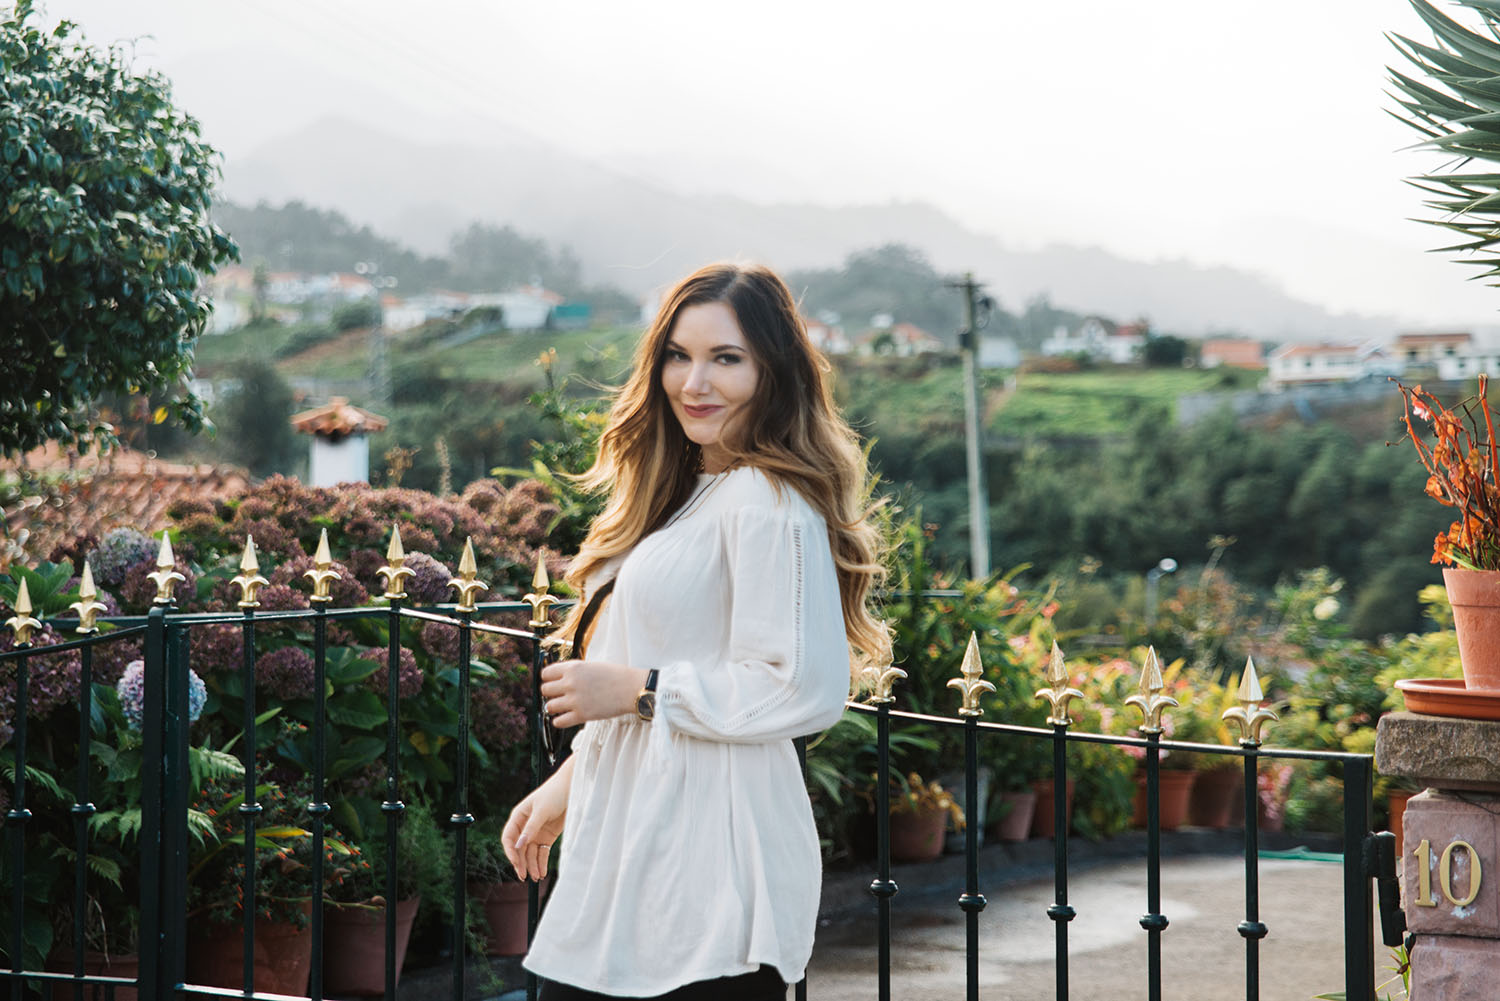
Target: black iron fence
168,773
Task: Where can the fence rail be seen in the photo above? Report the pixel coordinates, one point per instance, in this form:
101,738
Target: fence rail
165,839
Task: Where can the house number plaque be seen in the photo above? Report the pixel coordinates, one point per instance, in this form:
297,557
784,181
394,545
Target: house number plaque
1423,852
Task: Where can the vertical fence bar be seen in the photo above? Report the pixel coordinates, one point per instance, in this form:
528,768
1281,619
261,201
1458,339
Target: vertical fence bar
883,886
1252,928
1359,900
153,700
318,808
393,807
800,743
532,894
250,808
1060,912
972,901
461,820
1154,921
16,824
83,809
175,801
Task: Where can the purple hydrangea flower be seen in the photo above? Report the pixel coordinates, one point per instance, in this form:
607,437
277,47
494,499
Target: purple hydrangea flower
408,676
286,673
132,691
428,584
118,551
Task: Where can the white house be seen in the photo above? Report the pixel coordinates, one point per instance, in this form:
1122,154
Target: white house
1307,364
1431,349
1099,338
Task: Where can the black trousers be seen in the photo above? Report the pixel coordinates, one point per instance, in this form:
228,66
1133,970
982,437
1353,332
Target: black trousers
765,984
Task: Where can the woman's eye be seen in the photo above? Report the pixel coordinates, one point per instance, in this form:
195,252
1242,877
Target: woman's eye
730,359
675,355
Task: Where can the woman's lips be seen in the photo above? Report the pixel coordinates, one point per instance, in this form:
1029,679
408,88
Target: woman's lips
699,411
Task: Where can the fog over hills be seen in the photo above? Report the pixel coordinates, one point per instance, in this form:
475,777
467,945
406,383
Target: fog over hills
637,234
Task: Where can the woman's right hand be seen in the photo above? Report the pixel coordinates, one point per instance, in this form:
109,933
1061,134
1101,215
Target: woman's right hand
535,825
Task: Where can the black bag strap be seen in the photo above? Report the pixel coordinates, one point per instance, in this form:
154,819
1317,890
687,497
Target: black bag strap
586,620
559,743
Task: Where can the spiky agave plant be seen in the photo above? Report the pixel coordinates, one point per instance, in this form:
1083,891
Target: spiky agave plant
1457,107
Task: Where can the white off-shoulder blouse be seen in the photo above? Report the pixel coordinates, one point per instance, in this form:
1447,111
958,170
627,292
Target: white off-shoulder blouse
689,851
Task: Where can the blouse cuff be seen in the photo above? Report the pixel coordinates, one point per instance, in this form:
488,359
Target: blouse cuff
660,745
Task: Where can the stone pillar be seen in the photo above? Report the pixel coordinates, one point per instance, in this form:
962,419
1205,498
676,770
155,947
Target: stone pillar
1452,831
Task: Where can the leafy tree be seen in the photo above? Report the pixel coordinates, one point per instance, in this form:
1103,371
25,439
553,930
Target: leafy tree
894,279
104,233
254,421
486,258
1165,351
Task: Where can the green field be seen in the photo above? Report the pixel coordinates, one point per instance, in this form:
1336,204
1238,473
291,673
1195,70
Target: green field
1101,401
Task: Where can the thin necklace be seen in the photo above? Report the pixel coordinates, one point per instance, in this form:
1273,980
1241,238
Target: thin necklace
695,501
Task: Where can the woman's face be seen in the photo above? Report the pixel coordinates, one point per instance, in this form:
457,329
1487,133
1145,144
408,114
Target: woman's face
709,377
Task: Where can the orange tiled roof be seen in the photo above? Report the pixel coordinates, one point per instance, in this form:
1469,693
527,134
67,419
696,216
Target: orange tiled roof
93,494
338,419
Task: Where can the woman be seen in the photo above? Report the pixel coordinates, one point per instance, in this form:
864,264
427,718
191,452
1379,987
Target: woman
736,537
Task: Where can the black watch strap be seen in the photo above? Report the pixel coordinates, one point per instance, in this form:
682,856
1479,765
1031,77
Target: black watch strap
651,676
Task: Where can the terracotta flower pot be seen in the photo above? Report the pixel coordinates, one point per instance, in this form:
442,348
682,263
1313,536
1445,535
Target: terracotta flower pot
354,946
1019,810
283,957
505,914
1214,795
1475,596
95,964
1043,822
1396,800
1174,794
917,837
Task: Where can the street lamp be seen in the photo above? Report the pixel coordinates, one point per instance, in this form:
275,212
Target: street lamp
1155,574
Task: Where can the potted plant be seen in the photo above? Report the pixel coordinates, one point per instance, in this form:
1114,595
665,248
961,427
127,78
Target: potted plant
920,812
497,900
354,932
1463,469
283,891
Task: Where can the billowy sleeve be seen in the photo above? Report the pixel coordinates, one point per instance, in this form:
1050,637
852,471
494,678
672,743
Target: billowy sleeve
785,672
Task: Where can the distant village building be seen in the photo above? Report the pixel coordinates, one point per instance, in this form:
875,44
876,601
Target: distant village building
1101,339
341,446
1413,350
1236,352
998,352
526,308
1310,364
828,338
899,339
1458,368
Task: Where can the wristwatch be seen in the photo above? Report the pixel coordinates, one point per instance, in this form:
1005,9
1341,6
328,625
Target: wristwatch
645,702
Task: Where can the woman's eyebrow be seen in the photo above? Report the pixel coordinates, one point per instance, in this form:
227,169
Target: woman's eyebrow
718,347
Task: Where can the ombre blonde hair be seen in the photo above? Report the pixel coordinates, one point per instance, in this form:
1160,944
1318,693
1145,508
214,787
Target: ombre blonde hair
791,432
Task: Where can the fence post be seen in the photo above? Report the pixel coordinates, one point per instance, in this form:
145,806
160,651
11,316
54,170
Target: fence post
1359,900
153,986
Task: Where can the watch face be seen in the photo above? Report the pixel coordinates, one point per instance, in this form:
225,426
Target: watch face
645,705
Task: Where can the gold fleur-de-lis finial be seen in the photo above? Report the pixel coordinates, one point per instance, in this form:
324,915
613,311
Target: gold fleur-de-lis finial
166,576
1249,714
467,583
972,684
249,581
22,622
1058,691
88,605
1150,700
879,681
395,572
539,599
322,574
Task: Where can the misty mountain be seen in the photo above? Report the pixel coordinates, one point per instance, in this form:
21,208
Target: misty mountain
629,232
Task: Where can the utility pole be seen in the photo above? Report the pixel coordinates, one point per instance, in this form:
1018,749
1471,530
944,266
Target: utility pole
979,502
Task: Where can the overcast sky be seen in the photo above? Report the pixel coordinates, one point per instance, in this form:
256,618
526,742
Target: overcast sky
1251,135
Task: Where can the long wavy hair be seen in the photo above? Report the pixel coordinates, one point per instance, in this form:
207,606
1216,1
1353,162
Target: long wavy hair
790,431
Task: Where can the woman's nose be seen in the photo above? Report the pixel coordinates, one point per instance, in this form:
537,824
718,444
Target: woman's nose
697,380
